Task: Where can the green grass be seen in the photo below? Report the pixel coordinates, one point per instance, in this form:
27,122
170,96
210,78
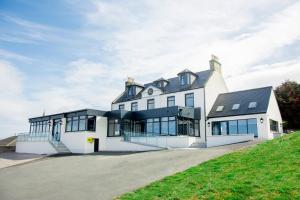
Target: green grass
270,170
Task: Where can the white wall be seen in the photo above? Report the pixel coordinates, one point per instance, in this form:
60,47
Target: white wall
262,128
118,144
214,86
77,141
167,141
35,147
218,140
274,113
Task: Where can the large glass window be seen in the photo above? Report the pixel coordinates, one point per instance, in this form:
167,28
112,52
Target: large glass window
91,123
216,128
223,126
171,101
185,79
189,100
172,126
134,106
273,125
149,125
69,124
156,125
39,127
113,128
232,127
252,126
75,123
242,126
150,104
164,126
80,123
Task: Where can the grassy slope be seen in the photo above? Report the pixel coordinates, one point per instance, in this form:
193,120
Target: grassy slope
267,171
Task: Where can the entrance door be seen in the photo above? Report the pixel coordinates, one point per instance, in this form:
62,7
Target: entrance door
96,144
56,129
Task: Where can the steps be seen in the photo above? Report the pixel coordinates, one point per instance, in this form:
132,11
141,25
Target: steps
60,147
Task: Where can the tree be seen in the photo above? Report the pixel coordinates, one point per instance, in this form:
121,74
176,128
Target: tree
288,97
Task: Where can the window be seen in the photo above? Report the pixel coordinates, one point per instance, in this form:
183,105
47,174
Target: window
252,126
172,126
121,107
39,127
252,105
235,106
233,127
113,128
91,123
197,128
69,124
150,104
242,126
216,128
220,108
156,126
134,106
149,125
164,126
171,101
131,91
82,123
75,124
189,100
273,125
185,79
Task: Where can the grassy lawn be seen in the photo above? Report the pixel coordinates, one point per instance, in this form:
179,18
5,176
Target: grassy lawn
270,170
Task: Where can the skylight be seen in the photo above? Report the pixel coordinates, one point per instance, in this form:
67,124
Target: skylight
252,104
235,106
220,108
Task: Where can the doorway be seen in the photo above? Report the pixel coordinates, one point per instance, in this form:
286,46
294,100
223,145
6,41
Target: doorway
96,144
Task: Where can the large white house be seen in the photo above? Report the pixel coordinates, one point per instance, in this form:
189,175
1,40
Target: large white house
194,109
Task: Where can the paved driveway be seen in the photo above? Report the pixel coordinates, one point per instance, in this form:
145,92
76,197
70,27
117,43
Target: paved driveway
101,176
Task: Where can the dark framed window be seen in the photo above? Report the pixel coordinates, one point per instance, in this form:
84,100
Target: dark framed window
150,104
197,128
189,100
273,125
185,79
134,106
153,125
121,107
80,123
171,101
131,90
113,128
232,127
39,127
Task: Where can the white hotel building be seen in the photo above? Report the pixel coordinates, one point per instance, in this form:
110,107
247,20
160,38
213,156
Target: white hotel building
194,109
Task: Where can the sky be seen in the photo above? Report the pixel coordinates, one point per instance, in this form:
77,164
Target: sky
62,55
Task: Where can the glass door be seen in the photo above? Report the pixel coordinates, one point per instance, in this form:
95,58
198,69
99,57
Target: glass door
56,131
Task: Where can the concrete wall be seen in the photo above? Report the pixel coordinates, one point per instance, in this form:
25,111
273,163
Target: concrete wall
214,86
35,147
118,144
274,114
218,140
262,128
167,141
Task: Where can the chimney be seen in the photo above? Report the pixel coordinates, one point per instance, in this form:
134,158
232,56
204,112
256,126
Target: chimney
214,63
129,81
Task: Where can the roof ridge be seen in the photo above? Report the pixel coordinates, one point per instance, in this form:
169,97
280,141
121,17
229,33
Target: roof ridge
247,90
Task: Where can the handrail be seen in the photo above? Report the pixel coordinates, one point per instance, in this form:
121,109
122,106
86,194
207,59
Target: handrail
37,137
145,138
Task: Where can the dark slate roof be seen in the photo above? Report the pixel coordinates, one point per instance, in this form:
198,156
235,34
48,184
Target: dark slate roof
172,86
259,95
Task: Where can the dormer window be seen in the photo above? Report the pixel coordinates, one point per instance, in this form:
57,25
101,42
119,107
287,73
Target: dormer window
161,83
131,91
186,77
220,108
252,104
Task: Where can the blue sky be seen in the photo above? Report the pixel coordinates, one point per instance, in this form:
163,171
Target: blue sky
64,55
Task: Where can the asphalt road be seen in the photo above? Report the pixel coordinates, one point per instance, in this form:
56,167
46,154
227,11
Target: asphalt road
98,176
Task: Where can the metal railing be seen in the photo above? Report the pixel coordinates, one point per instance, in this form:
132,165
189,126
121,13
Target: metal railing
38,137
152,139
